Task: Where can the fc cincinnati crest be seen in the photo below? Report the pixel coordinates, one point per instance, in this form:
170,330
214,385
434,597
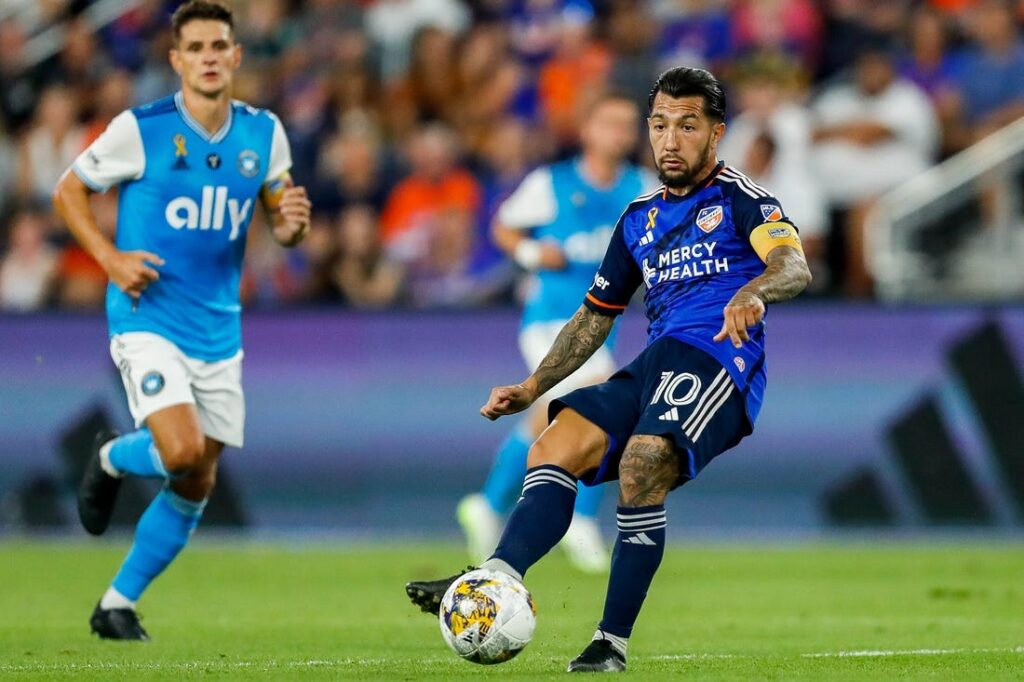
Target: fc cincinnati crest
771,212
709,218
248,163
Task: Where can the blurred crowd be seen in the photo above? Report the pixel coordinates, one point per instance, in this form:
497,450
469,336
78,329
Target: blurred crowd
410,121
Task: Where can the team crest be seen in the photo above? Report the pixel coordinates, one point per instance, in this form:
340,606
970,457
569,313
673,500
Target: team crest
771,212
740,364
152,383
709,218
249,163
213,161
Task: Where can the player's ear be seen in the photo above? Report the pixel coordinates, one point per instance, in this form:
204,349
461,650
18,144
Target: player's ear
237,59
717,131
174,56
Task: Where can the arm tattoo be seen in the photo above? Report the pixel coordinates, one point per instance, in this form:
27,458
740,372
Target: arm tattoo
784,276
647,472
579,339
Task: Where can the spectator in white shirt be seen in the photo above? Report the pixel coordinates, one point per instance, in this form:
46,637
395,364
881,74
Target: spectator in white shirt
870,136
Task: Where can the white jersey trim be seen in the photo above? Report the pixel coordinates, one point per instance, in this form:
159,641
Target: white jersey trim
116,156
197,127
280,151
532,204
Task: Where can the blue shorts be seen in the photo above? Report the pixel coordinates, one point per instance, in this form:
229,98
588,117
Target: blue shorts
671,390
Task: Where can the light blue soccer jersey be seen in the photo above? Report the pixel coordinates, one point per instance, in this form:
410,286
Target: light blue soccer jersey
557,203
187,196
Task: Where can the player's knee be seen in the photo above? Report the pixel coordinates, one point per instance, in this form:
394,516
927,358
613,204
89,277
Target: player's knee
540,453
183,455
648,470
198,483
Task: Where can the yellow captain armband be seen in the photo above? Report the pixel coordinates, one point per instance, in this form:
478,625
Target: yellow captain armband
273,189
766,237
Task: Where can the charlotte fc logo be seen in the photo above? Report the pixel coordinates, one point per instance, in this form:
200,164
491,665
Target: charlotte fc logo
180,153
249,163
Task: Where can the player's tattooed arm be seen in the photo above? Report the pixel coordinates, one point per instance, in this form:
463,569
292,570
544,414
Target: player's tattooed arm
579,339
785,275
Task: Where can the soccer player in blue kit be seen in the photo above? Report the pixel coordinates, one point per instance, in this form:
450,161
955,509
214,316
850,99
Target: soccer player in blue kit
557,225
189,169
712,249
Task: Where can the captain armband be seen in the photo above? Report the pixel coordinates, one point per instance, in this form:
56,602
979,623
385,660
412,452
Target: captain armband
766,237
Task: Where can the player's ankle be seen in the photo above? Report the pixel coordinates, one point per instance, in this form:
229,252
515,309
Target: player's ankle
496,564
620,644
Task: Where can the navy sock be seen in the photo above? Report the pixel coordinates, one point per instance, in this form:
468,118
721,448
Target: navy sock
637,555
540,518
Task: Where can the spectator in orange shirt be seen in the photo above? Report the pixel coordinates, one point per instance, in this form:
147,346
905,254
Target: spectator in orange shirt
428,220
578,69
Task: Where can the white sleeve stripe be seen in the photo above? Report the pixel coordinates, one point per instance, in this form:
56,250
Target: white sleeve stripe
76,168
746,179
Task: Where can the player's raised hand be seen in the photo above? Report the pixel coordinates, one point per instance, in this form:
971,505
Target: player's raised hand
295,208
130,271
744,311
506,400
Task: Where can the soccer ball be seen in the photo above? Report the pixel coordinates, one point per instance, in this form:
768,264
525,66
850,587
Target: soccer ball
487,616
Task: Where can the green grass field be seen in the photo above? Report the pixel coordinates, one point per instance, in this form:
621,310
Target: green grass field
261,612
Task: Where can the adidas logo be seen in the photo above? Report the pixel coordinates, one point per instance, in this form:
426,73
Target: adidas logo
670,416
639,539
647,239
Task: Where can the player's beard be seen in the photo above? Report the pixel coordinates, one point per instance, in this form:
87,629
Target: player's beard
682,179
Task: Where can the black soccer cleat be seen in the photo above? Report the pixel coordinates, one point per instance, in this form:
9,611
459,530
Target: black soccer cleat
120,624
599,657
98,489
427,594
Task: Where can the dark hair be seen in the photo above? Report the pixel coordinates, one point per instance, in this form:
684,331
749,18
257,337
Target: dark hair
683,81
194,10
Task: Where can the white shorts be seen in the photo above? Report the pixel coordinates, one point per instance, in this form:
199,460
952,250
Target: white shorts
535,341
157,375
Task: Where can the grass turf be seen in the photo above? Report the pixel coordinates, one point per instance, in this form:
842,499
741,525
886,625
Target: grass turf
259,612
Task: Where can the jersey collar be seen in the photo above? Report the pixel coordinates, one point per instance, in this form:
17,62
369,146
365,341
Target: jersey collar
197,127
697,187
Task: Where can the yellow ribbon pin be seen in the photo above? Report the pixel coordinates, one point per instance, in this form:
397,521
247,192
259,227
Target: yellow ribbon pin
651,215
179,145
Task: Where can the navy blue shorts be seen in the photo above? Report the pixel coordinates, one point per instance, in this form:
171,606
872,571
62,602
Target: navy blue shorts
671,390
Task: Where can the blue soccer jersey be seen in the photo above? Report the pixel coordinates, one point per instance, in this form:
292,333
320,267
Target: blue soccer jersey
188,196
693,253
557,203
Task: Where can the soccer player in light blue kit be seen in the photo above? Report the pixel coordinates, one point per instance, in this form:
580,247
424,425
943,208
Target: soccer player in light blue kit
557,225
189,169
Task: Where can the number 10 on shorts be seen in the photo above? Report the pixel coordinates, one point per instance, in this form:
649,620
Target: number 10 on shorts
678,389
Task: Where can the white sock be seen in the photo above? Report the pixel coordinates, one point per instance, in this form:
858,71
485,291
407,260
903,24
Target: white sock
618,643
112,599
499,565
105,460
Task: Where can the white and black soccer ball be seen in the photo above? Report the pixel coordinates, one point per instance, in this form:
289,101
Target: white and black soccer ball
487,616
